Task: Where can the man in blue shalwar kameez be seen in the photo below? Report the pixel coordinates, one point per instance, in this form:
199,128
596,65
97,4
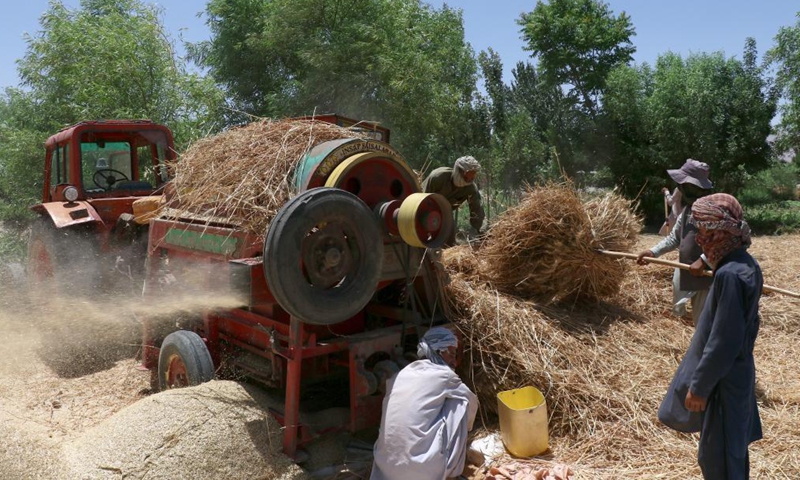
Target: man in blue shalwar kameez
714,387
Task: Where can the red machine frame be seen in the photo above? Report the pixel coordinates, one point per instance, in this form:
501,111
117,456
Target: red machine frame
296,353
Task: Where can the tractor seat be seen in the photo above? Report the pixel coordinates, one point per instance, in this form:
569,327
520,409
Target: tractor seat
133,185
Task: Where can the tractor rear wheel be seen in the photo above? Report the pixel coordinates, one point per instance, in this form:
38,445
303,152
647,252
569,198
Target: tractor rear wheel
43,255
62,259
184,361
80,329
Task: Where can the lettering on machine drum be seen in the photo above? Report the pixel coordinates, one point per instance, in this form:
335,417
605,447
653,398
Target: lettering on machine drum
337,156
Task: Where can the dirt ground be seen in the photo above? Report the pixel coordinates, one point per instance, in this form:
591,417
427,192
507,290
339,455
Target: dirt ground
74,403
95,417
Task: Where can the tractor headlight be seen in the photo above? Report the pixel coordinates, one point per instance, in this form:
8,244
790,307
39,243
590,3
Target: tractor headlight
71,194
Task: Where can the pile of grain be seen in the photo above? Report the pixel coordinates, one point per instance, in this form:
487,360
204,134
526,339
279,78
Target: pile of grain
545,248
216,430
244,176
97,421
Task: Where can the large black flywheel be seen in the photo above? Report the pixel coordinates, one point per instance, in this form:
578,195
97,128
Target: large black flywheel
323,255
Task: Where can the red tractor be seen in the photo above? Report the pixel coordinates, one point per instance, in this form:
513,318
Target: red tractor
93,173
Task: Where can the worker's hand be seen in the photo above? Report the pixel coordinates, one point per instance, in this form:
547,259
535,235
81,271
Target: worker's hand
697,267
642,255
694,403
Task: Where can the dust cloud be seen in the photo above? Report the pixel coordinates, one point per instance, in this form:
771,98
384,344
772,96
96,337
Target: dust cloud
76,329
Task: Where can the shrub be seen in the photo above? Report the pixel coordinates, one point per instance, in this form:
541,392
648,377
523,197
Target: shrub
774,218
774,184
13,244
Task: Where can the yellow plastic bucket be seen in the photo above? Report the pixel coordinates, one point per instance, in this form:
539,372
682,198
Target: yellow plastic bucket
523,421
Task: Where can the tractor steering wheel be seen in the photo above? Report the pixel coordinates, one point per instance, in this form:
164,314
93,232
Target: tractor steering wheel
107,175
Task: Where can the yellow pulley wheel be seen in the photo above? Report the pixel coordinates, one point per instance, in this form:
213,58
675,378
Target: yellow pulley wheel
375,177
338,174
425,220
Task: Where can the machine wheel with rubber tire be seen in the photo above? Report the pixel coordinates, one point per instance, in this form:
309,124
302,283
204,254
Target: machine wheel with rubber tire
184,361
323,256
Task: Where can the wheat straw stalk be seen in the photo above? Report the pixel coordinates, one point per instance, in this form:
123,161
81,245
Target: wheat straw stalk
244,176
604,365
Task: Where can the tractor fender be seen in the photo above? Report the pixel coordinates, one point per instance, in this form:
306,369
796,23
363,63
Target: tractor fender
65,214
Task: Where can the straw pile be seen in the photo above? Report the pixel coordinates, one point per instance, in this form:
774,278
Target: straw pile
604,367
546,247
244,176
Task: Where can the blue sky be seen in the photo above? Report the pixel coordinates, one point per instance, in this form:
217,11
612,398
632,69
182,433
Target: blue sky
681,26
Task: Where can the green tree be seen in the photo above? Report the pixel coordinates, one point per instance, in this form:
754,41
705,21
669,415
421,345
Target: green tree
21,153
627,120
492,71
706,107
785,55
400,62
105,59
578,43
566,131
520,118
112,59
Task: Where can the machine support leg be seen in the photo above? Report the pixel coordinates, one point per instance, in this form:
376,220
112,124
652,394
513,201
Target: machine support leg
292,404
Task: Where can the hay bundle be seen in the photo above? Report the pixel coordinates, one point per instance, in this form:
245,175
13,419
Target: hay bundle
244,176
604,369
546,247
557,349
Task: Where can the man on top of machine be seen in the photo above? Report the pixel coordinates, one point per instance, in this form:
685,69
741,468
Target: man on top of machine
457,185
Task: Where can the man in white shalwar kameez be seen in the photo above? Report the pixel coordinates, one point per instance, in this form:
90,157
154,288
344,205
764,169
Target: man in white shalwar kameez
427,414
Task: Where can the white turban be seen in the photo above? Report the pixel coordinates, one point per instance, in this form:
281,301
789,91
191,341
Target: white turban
434,341
467,164
462,166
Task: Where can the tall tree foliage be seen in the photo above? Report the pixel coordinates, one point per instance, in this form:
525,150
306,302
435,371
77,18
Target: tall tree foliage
529,129
20,153
400,62
706,107
578,43
492,70
105,59
111,59
785,55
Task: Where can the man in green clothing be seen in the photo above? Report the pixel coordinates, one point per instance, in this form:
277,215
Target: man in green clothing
457,185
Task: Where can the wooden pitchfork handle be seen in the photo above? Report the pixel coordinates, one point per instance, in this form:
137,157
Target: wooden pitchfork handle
683,266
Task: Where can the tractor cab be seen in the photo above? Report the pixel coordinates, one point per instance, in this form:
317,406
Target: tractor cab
106,159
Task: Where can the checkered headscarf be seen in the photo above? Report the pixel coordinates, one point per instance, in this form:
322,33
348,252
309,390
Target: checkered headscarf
722,215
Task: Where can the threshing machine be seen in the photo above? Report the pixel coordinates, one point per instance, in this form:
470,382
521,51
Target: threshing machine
335,294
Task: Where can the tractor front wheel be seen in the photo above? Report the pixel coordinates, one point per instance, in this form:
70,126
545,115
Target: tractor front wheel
184,361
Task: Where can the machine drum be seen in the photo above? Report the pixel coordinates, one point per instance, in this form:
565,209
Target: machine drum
323,256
